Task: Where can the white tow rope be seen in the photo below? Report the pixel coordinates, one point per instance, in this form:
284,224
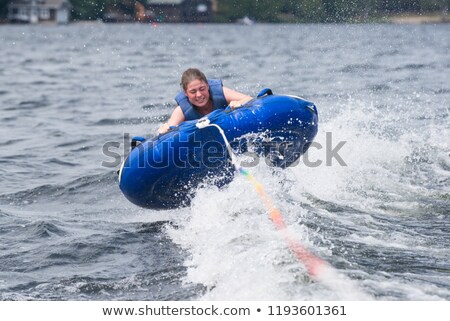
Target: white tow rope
205,122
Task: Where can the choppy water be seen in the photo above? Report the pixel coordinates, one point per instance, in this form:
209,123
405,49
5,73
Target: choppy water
67,233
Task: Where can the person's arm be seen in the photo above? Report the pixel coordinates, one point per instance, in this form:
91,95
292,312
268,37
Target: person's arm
234,98
175,119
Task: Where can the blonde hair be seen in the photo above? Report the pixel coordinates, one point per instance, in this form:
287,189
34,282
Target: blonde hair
190,75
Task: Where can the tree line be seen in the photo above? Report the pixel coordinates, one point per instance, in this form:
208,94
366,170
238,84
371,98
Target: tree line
277,10
324,10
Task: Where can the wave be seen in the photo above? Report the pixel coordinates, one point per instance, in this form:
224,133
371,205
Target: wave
376,207
86,185
53,245
129,121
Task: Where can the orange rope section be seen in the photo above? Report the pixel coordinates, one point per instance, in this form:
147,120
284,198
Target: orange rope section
312,263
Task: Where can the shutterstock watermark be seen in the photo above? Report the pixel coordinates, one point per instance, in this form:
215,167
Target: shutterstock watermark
213,154
330,152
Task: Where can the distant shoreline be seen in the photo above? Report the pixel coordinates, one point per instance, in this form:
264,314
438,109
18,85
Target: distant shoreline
419,19
428,18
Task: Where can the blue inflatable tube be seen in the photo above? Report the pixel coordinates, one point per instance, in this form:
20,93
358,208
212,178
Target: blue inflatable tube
163,172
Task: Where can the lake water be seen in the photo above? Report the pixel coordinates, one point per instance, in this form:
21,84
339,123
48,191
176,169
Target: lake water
382,220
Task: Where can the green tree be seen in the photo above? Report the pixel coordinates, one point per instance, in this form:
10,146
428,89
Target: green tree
347,10
434,5
267,10
86,10
304,10
4,7
94,9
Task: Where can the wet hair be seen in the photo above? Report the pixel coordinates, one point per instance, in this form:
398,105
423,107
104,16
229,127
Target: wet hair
190,75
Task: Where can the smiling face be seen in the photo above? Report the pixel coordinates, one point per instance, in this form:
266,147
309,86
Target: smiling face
197,92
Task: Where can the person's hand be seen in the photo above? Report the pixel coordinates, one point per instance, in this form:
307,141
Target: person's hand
235,104
163,129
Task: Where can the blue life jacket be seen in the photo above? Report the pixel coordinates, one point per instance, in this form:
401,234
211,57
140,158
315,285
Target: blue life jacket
216,95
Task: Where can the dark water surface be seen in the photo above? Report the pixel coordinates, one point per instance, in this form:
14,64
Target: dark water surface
67,233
